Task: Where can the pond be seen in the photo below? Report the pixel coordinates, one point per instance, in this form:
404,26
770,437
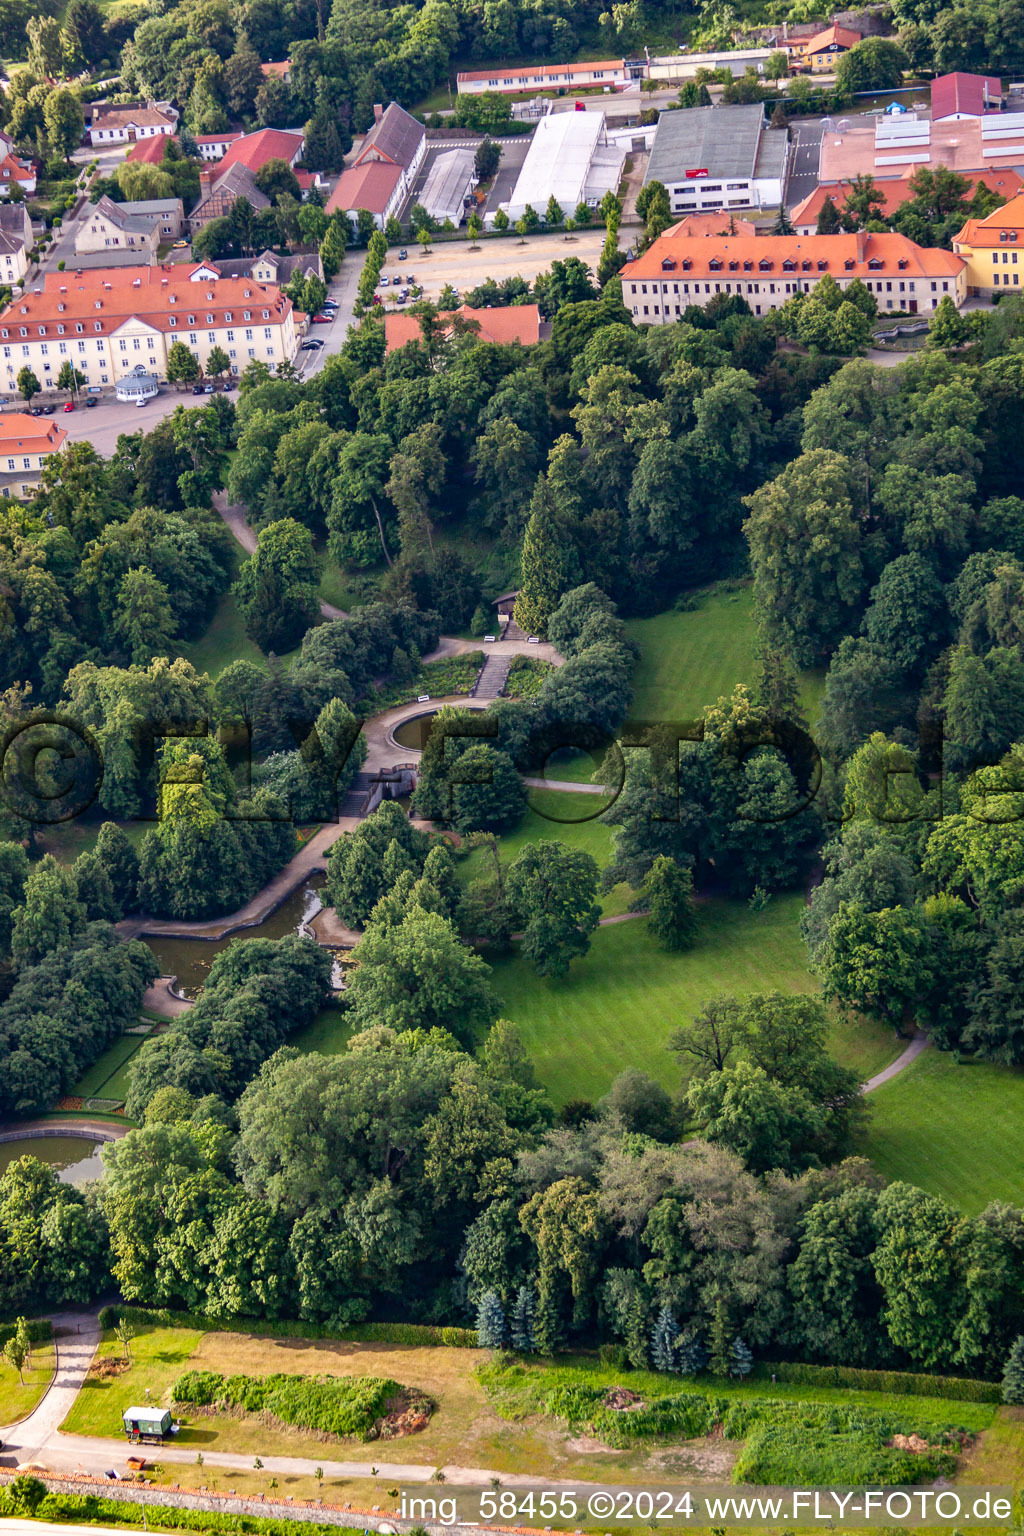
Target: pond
75,1158
415,732
190,959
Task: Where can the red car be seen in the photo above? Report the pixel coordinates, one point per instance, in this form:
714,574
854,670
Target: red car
322,319
70,405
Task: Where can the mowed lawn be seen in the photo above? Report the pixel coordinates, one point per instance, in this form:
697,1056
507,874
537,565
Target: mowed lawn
17,1397
956,1131
690,659
619,1004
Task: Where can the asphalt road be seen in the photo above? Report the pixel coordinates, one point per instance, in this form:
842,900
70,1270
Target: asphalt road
805,152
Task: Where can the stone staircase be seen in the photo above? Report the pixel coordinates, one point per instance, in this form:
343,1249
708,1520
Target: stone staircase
492,677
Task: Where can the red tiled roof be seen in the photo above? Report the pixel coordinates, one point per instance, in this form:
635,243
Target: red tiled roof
834,250
149,151
1006,183
842,37
220,138
103,298
254,149
517,322
702,224
30,434
13,170
279,68
369,186
959,92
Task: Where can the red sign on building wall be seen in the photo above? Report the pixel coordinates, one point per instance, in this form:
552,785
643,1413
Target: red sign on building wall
700,171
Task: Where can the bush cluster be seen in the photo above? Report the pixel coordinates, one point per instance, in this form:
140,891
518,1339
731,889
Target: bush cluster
40,1331
335,1406
787,1444
92,1510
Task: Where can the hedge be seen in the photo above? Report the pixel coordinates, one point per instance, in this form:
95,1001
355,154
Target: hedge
902,1383
40,1331
91,1509
289,1328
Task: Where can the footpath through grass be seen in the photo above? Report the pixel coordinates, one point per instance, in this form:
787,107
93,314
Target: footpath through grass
955,1131
18,1399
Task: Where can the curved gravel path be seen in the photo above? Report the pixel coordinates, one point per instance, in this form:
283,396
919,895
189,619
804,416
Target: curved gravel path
918,1043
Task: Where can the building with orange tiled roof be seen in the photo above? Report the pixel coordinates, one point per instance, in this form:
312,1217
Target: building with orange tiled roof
149,151
281,69
613,74
517,322
26,442
110,320
993,249
383,168
15,172
804,216
822,51
700,225
767,271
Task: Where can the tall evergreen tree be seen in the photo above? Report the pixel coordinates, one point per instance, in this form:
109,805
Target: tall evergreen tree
491,1327
548,1330
522,1328
1013,1376
663,1337
829,222
691,1355
549,564
721,1358
667,894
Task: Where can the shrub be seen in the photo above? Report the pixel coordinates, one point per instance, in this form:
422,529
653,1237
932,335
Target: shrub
902,1383
350,1406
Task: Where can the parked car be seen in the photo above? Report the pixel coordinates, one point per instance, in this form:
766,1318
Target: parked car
49,410
209,389
329,304
322,319
180,245
91,403
36,410
140,403
313,345
69,405
384,280
403,298
197,389
403,254
227,385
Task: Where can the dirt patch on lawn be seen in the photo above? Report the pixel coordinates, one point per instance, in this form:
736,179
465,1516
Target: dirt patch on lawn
622,1400
586,1445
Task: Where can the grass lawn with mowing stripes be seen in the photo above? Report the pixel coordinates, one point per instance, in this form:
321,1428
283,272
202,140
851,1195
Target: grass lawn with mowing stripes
957,1132
108,1077
619,1004
688,659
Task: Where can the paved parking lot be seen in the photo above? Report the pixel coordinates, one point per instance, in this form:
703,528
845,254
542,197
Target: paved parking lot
455,263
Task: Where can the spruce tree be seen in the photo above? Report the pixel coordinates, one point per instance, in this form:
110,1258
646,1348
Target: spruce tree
522,1321
549,564
829,222
742,1359
783,224
1013,1376
691,1356
491,1328
663,1340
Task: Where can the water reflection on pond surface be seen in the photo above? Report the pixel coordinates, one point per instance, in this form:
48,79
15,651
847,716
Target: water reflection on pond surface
190,959
75,1159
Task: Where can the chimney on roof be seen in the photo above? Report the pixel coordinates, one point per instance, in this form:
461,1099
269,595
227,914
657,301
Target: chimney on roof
378,111
862,244
205,178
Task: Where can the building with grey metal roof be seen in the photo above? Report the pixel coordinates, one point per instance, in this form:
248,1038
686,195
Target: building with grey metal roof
719,157
449,180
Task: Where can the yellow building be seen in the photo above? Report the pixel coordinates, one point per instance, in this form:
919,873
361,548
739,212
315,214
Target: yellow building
822,52
993,249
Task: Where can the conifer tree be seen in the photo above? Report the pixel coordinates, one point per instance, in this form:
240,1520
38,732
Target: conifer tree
721,1358
663,1337
691,1356
667,894
491,1328
1013,1376
522,1321
547,1323
549,564
742,1358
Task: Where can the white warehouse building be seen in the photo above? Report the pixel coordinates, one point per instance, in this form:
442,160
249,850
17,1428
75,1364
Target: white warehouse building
570,158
